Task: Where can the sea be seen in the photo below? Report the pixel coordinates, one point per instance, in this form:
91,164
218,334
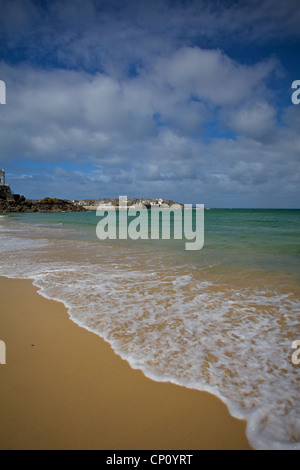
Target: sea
222,319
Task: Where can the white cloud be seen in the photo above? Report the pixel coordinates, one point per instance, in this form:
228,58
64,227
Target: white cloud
211,75
256,119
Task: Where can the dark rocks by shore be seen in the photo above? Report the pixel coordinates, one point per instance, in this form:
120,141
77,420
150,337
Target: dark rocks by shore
15,203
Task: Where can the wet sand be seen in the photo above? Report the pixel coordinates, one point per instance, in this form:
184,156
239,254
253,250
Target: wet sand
63,387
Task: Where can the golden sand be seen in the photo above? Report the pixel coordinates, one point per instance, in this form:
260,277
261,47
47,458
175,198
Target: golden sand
64,388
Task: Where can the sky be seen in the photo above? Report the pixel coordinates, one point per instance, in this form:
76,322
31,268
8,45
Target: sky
188,100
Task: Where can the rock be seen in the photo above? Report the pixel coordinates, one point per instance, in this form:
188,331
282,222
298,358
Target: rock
15,203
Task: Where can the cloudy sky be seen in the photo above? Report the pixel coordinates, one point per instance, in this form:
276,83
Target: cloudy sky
187,100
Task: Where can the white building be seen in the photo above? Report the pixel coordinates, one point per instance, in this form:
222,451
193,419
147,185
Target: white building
2,177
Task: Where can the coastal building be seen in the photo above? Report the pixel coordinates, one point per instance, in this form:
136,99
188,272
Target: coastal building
2,178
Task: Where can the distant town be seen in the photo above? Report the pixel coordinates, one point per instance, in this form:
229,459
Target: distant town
123,201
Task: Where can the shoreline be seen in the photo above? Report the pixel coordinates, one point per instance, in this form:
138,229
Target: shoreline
63,387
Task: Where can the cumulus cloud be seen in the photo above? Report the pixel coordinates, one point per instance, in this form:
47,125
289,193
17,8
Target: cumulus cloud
255,119
68,113
211,75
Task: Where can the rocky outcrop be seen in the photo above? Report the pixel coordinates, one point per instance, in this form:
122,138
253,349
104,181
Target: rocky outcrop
15,203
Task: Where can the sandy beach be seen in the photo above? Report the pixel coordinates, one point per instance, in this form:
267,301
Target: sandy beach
64,388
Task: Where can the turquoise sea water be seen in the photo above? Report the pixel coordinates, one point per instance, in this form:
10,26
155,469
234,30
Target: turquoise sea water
221,319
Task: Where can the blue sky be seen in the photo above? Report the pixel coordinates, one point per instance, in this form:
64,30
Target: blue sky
184,100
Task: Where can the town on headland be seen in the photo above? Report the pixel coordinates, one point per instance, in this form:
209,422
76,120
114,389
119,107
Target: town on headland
126,202
10,202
